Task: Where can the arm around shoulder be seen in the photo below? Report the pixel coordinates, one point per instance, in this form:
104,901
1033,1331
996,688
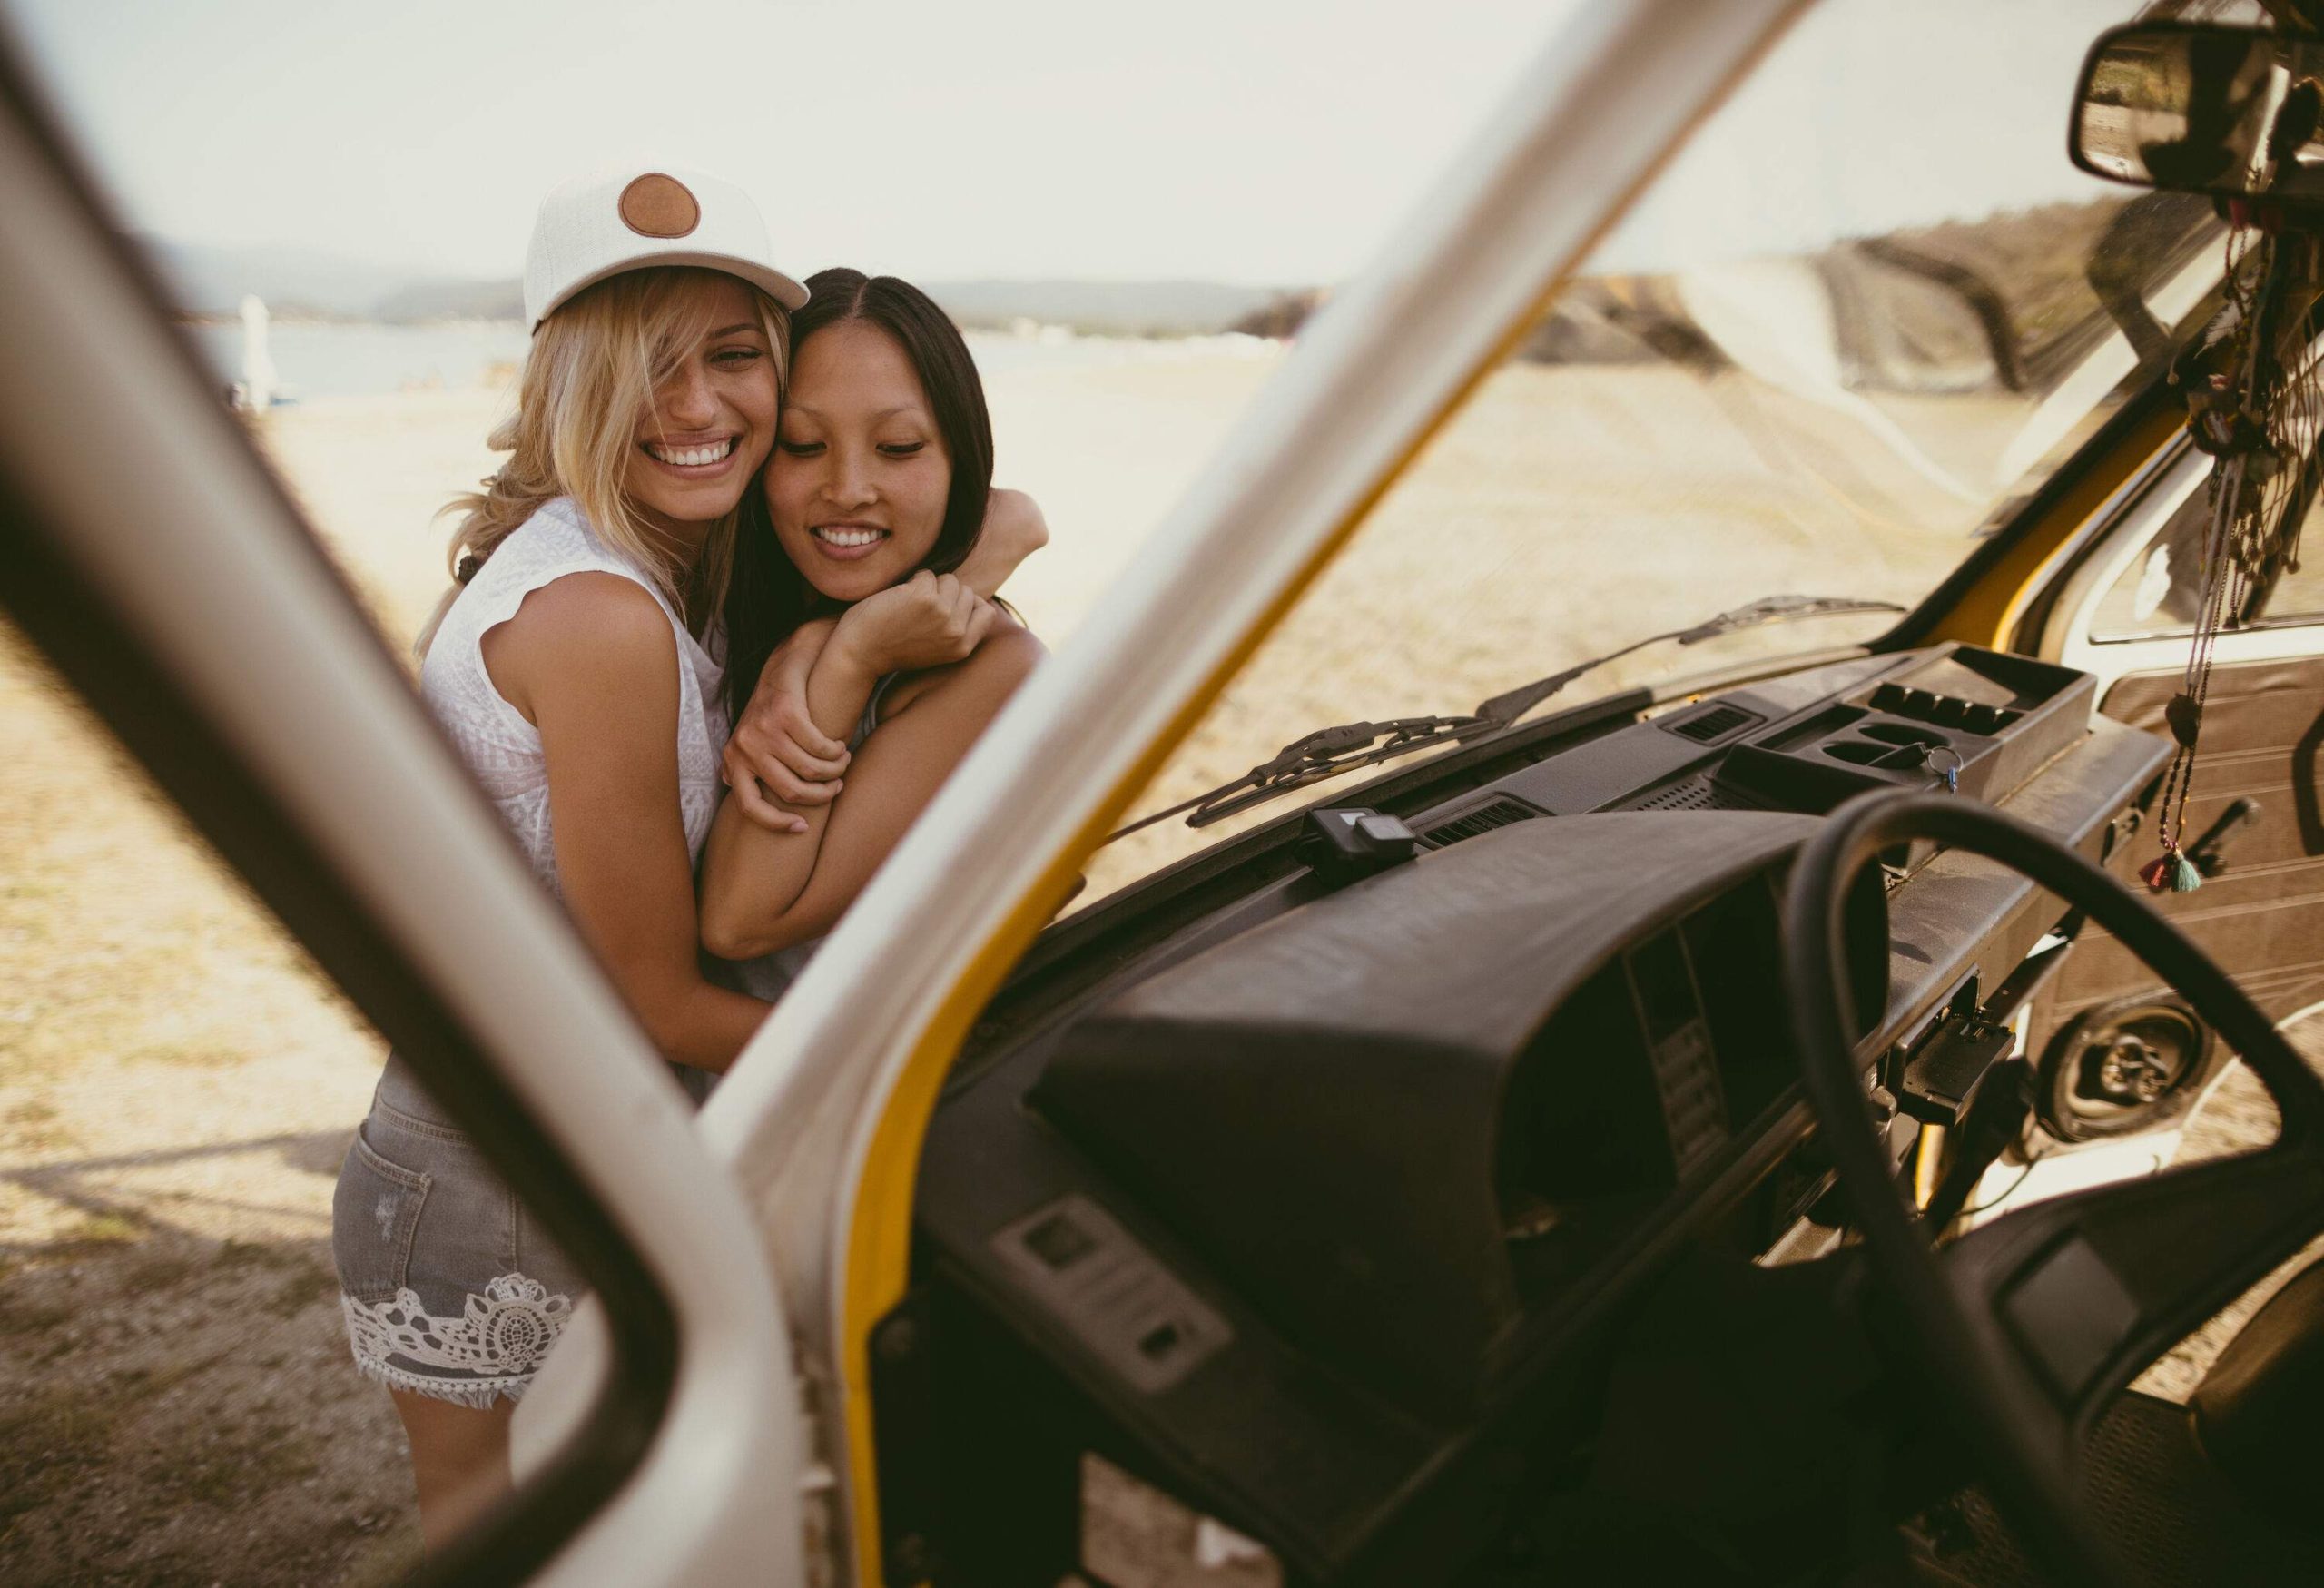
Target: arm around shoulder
930,723
1007,657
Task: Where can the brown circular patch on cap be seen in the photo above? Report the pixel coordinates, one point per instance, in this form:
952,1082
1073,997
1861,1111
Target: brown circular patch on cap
656,205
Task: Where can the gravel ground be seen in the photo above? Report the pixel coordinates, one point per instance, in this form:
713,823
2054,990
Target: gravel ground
177,1086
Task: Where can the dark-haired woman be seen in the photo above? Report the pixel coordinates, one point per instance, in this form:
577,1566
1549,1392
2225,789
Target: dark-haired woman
855,607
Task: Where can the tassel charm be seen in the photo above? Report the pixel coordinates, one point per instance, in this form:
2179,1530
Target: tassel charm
2171,872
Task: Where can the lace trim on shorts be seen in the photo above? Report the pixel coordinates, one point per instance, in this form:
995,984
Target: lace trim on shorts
493,1347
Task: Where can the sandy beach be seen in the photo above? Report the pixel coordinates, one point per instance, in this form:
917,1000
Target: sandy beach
1565,512
177,1084
1106,445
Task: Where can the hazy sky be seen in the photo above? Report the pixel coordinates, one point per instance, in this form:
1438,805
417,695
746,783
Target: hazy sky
1258,141
1873,115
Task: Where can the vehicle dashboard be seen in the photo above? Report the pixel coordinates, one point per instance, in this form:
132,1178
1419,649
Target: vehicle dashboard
1312,1206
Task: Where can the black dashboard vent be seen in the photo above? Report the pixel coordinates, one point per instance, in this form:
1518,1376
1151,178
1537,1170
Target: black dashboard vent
1714,723
1495,813
1697,794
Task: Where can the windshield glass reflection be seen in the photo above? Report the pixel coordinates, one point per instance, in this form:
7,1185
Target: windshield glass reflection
1866,313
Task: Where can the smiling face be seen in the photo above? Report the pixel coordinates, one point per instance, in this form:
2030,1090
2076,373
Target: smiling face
860,478
711,420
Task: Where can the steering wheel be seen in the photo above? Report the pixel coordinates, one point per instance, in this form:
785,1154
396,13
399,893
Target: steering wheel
2024,1329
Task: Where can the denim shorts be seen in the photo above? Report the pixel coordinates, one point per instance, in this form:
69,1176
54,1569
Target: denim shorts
451,1288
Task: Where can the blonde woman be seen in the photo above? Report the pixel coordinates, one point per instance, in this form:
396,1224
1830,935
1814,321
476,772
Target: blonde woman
576,667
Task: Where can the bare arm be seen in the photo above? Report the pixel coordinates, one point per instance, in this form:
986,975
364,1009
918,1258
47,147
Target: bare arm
777,760
764,891
776,749
750,867
929,621
590,660
1013,530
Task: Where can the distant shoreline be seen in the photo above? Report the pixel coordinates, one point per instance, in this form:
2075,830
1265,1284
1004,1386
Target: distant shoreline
1017,328
206,284
321,358
296,316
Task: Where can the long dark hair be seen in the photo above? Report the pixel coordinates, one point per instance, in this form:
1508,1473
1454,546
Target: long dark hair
767,597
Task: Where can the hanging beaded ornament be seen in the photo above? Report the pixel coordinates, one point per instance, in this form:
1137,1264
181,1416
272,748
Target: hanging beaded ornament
2253,404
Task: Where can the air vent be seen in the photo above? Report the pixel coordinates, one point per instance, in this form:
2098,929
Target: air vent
1713,723
1698,794
1495,813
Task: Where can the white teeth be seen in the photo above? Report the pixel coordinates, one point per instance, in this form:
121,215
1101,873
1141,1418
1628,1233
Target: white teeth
694,456
838,537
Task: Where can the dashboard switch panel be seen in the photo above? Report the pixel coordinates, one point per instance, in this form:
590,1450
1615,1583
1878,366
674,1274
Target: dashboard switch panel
1103,1284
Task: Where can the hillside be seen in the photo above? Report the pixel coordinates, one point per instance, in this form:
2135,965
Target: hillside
1103,307
208,283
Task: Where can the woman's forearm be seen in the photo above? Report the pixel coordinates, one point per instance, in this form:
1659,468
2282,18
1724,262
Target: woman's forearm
702,1025
751,876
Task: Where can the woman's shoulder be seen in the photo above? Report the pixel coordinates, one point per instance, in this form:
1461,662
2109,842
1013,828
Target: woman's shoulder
591,635
586,635
1009,648
557,527
555,541
548,571
596,603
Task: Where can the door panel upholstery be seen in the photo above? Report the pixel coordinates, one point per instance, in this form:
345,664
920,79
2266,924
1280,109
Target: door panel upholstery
2262,918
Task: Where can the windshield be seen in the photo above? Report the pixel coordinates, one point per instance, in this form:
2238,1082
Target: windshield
1868,311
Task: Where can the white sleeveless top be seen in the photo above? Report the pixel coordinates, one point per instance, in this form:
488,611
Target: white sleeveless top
500,748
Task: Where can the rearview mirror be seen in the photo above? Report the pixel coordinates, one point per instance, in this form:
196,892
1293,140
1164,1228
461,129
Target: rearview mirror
2197,108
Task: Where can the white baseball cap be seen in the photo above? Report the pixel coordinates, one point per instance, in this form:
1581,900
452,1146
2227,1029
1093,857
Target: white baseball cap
632,216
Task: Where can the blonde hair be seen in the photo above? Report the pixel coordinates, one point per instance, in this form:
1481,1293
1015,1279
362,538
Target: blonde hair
592,370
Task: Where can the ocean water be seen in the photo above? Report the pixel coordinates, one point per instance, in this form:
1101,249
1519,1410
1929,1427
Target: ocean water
328,360
324,360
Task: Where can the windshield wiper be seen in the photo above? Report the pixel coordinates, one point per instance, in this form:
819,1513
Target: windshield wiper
1329,752
1504,709
1325,753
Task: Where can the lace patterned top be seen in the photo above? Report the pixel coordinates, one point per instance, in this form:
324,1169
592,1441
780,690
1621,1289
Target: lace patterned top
501,748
